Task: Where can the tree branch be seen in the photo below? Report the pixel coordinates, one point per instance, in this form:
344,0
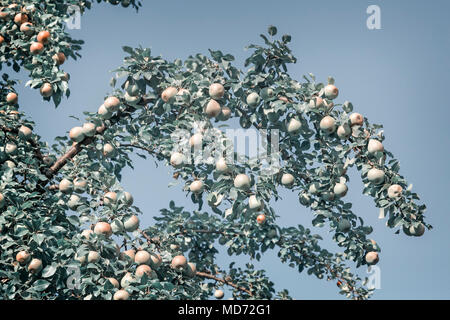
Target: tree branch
77,147
224,281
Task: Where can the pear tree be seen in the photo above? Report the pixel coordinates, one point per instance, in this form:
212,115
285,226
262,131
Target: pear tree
63,208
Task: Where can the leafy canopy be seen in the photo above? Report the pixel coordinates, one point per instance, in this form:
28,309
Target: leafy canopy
49,194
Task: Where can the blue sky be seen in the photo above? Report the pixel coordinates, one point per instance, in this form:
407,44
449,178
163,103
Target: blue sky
396,76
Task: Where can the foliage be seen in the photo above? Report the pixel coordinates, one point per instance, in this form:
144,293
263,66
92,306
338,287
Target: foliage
41,217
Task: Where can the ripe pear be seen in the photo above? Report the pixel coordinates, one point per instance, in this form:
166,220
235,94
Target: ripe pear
121,295
128,254
132,100
266,93
375,176
76,134
89,129
294,126
372,257
155,260
356,119
35,266
126,279
25,132
65,77
196,140
104,113
344,131
242,181
253,99
176,159
131,223
287,179
328,125
112,103
196,186
178,262
216,91
260,219
2,200
168,94
213,108
36,48
43,36
108,150
218,294
80,259
86,233
225,114
20,18
10,148
191,269
65,186
143,269
331,92
12,98
254,203
340,189
103,228
142,257
4,15
394,191
284,99
114,282
221,165
59,58
374,146
110,198
46,90
74,202
9,164
23,257
79,185
93,256
316,102
417,231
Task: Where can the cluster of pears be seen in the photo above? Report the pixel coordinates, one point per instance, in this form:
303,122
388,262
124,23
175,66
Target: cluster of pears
22,21
10,148
344,131
146,264
212,109
89,129
128,223
34,265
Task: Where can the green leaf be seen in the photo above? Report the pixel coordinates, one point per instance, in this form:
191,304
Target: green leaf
41,285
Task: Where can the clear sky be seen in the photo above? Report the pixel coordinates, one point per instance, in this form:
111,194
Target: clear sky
397,76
